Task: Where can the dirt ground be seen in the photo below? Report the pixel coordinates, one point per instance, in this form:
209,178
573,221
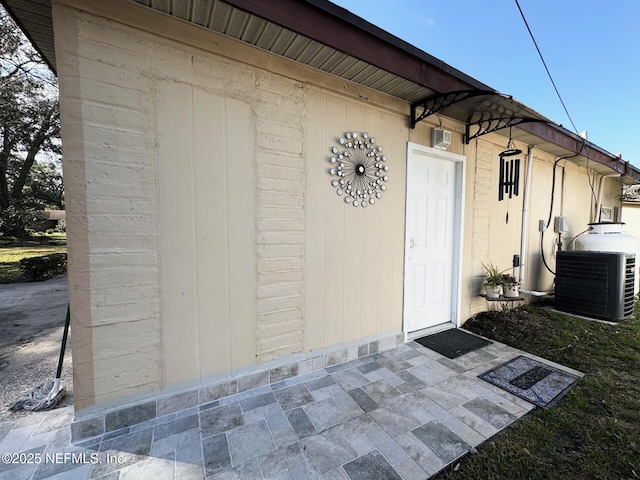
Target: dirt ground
32,319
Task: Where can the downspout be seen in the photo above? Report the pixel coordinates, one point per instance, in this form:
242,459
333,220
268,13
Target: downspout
596,213
524,234
525,216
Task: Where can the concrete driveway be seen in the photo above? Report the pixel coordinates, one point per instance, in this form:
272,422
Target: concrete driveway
32,319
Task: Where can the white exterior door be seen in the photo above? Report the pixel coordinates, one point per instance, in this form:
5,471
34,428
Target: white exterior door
433,232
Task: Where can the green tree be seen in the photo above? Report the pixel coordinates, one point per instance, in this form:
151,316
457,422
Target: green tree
44,187
29,122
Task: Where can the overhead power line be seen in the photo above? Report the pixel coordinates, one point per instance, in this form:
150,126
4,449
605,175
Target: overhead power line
545,66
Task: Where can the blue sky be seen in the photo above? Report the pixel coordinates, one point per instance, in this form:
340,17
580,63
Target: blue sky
591,47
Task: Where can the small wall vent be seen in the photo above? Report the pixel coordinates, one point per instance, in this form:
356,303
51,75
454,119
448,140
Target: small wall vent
440,138
595,284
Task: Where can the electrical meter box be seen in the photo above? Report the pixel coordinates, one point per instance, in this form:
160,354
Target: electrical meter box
561,225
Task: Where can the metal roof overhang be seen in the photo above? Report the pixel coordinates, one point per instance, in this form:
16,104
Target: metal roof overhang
482,111
324,36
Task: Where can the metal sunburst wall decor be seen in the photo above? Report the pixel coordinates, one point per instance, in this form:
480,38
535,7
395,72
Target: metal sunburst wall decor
360,169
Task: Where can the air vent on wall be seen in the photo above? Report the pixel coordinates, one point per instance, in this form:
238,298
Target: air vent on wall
440,138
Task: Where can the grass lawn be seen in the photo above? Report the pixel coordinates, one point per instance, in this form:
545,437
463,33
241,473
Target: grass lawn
594,431
12,251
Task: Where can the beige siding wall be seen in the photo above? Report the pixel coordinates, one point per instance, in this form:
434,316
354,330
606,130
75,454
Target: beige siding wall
206,216
209,218
631,218
354,256
492,238
204,234
110,181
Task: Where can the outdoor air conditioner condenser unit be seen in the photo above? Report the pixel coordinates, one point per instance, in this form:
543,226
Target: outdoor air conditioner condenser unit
595,284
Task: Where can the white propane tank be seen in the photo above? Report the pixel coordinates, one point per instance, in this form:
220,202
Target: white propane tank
609,237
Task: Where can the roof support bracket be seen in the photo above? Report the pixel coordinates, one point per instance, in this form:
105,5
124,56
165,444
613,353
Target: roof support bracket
438,102
492,124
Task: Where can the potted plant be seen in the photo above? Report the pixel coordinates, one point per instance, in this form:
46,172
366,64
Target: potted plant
492,280
510,286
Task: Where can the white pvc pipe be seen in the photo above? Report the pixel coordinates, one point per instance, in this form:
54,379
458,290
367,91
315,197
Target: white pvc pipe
525,227
596,212
525,215
535,293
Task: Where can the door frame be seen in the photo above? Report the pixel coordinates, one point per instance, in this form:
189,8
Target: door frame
458,233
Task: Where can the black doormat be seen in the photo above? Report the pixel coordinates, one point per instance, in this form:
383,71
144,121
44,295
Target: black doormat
453,343
531,380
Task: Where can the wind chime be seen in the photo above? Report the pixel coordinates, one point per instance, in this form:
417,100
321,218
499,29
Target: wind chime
509,173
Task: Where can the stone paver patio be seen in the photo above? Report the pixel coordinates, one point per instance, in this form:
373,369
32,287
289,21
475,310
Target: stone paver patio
404,413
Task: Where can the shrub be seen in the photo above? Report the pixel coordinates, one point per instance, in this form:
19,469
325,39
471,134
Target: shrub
41,268
16,220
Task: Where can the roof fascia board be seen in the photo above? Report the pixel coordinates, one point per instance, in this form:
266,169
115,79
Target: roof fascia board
338,28
565,139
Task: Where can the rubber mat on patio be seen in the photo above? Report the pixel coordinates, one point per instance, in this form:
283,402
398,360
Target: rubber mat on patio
453,343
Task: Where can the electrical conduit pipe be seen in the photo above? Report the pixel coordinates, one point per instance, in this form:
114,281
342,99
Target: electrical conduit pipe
524,233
